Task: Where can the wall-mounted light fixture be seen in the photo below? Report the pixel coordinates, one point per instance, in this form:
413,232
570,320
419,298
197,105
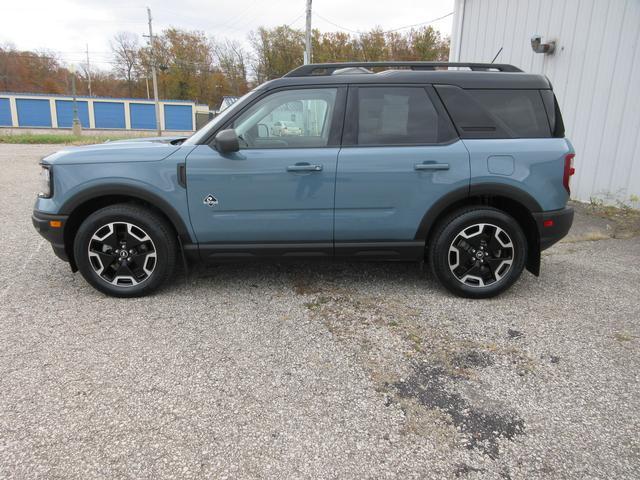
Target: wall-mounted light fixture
539,47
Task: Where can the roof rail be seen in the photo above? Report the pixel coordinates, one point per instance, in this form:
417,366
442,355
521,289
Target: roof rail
322,69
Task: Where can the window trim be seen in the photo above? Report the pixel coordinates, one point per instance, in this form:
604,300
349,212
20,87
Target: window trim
337,119
350,134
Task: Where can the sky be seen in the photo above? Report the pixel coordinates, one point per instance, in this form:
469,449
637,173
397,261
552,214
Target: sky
65,27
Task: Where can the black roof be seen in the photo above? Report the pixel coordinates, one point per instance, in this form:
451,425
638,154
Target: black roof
477,75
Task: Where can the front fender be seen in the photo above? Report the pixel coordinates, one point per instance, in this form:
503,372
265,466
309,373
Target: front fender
153,182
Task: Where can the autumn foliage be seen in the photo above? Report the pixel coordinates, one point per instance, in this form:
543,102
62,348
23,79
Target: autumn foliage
192,66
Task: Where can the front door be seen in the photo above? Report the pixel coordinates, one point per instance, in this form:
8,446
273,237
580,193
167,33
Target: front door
400,155
277,193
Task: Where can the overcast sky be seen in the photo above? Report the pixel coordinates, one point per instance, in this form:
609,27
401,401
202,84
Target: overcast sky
66,26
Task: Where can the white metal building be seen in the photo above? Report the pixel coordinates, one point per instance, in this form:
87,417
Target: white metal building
594,70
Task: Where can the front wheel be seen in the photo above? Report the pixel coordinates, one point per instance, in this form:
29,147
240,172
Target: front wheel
125,250
478,252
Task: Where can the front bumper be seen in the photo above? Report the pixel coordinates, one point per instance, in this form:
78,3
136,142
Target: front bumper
553,225
54,235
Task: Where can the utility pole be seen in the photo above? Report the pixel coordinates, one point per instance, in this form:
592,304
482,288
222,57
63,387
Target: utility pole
307,38
76,128
153,74
88,70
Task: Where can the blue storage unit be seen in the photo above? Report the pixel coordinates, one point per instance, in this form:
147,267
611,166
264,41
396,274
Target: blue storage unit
109,114
143,116
64,111
5,112
178,117
33,112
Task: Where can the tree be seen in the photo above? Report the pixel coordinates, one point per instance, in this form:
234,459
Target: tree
191,66
427,44
231,59
126,49
276,51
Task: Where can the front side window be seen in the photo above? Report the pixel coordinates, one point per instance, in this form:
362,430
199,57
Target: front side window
288,119
396,116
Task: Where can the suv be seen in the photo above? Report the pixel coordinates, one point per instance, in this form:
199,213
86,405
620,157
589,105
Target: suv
463,165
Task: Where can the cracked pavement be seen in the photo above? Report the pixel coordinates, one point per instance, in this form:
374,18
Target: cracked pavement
316,370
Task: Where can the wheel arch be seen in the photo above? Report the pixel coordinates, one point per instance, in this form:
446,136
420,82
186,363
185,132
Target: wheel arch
85,203
517,203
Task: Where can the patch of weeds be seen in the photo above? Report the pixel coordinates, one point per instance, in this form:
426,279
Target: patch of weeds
415,340
317,303
482,428
623,337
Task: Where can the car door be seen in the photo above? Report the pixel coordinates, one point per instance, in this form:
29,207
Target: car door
400,155
276,194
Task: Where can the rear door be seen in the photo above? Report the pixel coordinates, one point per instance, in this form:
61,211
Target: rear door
400,155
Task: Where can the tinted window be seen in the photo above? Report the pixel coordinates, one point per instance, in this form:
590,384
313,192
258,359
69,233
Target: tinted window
521,112
553,113
288,119
396,116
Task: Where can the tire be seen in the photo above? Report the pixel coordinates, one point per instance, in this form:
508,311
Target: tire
146,262
477,252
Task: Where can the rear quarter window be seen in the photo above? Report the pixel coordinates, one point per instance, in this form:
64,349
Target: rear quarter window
521,112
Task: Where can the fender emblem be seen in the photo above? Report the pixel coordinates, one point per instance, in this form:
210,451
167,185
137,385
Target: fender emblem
210,201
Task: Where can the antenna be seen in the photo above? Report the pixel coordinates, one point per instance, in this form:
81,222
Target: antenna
494,58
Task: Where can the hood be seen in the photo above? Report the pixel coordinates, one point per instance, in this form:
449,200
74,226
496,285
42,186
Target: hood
133,150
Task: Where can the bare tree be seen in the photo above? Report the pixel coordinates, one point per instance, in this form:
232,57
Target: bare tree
231,59
126,54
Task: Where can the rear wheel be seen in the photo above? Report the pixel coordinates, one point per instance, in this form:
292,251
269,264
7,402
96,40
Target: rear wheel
125,250
478,252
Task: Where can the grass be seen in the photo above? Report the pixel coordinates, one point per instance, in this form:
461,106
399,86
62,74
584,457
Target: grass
53,138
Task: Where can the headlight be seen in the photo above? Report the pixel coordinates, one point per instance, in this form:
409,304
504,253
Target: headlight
45,182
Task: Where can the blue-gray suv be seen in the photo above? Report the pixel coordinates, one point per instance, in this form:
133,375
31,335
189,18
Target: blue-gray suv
462,165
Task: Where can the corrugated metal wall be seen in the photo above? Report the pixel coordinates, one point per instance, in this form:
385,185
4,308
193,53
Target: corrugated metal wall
595,72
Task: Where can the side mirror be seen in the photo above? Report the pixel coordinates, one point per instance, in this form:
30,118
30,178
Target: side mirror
226,141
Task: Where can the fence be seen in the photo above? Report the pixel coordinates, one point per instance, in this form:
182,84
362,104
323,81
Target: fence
56,111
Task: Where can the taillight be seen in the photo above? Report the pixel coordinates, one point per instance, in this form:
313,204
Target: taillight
568,171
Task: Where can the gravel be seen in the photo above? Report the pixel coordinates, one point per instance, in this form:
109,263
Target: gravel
315,370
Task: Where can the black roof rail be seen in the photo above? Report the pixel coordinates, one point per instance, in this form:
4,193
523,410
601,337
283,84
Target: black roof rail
322,69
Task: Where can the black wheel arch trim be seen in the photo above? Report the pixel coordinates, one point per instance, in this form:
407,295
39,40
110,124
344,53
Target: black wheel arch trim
134,192
507,191
464,194
474,190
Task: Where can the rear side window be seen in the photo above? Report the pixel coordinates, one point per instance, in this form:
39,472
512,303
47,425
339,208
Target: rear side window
506,113
521,111
398,116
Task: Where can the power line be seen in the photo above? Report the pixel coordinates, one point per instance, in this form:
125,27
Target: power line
386,31
421,24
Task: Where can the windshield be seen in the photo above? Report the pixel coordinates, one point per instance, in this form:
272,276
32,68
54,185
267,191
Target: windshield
221,118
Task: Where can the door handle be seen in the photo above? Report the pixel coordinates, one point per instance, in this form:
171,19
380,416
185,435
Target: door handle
431,166
304,167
